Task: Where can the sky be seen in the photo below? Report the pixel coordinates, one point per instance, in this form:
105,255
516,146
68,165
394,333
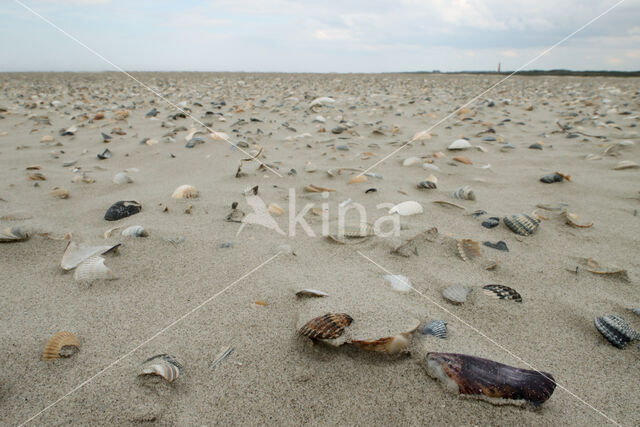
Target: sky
319,36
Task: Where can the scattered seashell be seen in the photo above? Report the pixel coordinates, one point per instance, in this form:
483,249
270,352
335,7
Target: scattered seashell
36,176
390,345
502,292
456,294
412,161
357,179
46,138
491,222
626,164
616,330
421,136
122,178
465,193
311,293
135,231
162,365
501,245
459,144
449,204
572,219
107,234
462,159
593,266
310,167
521,224
60,193
122,209
315,189
185,192
636,310
13,234
555,177
398,282
75,253
54,347
489,380
275,209
430,183
92,268
407,208
469,249
437,328
106,154
329,326
430,166
226,352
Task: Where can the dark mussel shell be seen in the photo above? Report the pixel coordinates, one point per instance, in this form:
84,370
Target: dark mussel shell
500,245
122,209
491,222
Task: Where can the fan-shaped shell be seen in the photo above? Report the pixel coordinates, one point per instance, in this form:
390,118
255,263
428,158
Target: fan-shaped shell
398,282
122,209
437,328
521,224
135,231
465,193
55,344
407,208
616,330
13,234
502,292
311,293
469,249
185,192
459,144
75,253
456,294
163,365
93,268
329,326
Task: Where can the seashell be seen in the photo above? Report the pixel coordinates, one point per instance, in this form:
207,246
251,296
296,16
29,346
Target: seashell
489,380
469,249
501,245
616,330
60,193
33,168
449,204
122,209
572,219
490,264
357,179
320,102
46,138
185,192
593,266
456,294
463,159
465,193
92,268
53,348
75,253
390,345
162,365
219,136
310,167
106,154
107,234
430,166
69,131
135,231
406,208
122,178
636,310
315,189
398,282
411,161
459,144
311,293
491,222
36,176
329,326
555,177
625,164
437,328
13,234
521,224
421,136
502,292
275,209
430,183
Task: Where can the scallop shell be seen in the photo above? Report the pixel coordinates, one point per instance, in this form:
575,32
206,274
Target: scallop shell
55,344
469,249
572,219
75,253
162,365
465,193
430,183
390,345
437,328
135,231
122,209
616,330
625,164
13,234
311,293
459,144
122,178
329,326
398,282
502,292
185,192
456,294
489,380
60,193
93,268
521,224
407,208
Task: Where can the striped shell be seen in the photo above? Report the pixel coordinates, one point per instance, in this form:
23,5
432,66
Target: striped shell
13,234
122,178
185,192
309,293
456,294
93,268
329,326
465,193
437,328
430,183
502,292
521,224
616,330
469,249
55,344
162,365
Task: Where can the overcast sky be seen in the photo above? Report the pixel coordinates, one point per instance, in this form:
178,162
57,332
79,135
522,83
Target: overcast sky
319,36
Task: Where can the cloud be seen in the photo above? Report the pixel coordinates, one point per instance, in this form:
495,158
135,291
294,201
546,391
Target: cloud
333,34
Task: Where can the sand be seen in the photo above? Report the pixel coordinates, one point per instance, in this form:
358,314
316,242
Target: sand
274,376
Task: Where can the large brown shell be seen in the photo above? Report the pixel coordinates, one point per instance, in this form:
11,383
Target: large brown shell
469,249
474,376
55,344
329,326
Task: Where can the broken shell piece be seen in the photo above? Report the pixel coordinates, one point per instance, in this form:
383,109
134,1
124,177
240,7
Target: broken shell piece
329,326
311,293
60,193
36,176
162,365
315,189
465,193
449,204
572,219
92,268
107,234
122,178
406,208
456,294
502,292
54,347
13,234
437,328
463,160
122,209
616,330
357,179
106,154
421,136
459,144
625,164
135,231
492,381
594,267
185,192
469,249
390,345
275,209
75,253
521,224
398,282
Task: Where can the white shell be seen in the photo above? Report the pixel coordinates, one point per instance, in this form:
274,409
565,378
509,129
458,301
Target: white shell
459,144
75,253
185,192
122,178
398,282
430,166
135,231
456,294
410,161
422,135
93,269
407,208
324,100
162,365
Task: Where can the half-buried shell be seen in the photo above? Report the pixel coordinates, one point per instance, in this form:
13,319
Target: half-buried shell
469,249
616,330
162,365
311,293
437,328
75,253
135,231
488,380
91,269
13,234
329,326
407,208
54,347
430,183
521,224
502,292
573,220
185,192
122,209
465,193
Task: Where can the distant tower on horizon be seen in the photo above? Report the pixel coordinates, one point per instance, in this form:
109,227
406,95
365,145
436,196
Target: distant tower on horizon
498,68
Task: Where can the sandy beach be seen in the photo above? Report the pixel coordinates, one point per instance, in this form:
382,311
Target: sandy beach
194,286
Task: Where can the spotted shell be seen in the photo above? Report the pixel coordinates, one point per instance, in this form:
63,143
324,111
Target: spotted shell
329,326
521,224
616,330
185,192
93,268
437,328
465,193
469,249
162,365
55,344
502,292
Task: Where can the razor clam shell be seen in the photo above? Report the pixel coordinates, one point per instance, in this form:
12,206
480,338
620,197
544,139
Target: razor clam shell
75,253
456,294
311,293
135,231
93,268
484,378
54,345
464,193
329,326
122,209
437,328
13,234
502,292
162,365
469,249
521,224
616,330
